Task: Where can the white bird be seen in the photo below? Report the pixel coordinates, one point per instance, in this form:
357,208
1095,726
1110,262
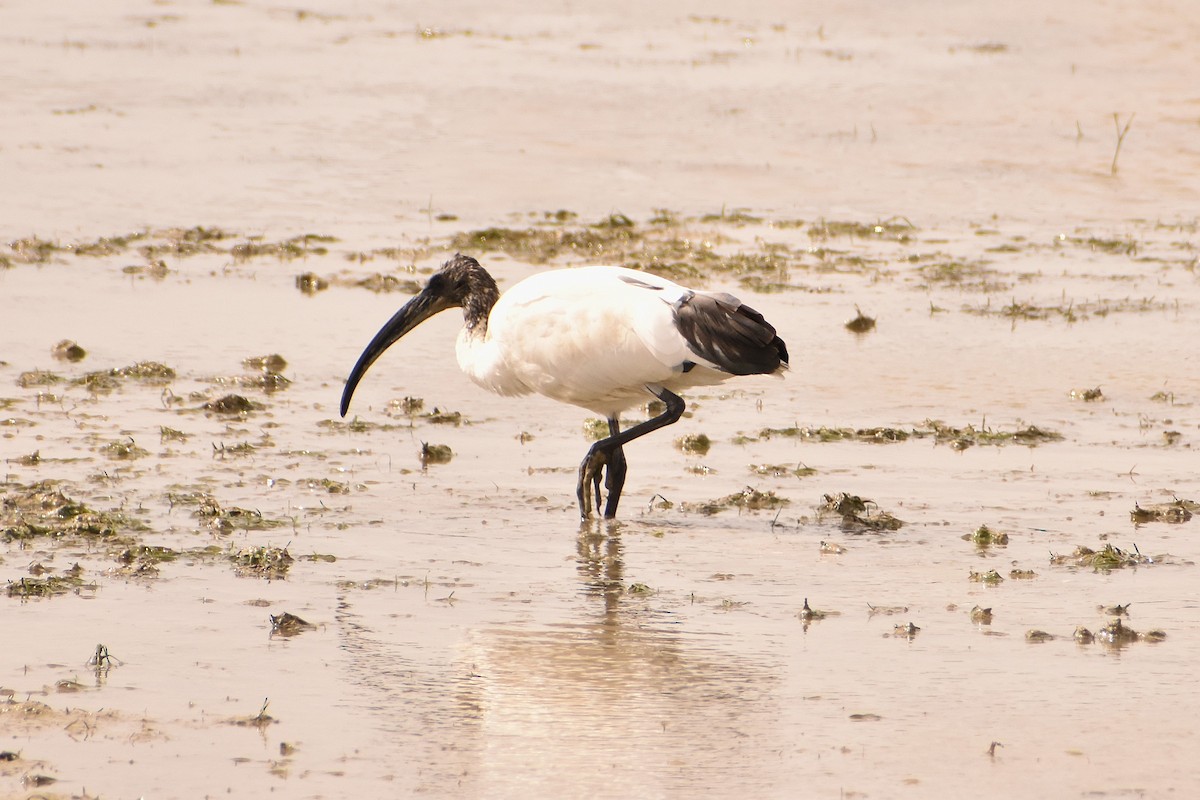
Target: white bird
604,338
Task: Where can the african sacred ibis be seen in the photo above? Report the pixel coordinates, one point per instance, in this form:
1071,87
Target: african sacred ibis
603,338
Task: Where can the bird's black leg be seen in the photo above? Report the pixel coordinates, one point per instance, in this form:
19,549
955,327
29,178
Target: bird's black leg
614,478
607,452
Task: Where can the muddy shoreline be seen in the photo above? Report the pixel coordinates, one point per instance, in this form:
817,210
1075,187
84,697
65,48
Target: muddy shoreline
951,551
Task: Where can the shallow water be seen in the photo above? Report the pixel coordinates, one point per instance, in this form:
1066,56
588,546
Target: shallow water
471,638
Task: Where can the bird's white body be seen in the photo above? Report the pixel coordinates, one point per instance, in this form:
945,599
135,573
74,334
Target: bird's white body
604,338
595,337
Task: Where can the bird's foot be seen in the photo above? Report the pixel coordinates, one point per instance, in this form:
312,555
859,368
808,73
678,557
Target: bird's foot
590,470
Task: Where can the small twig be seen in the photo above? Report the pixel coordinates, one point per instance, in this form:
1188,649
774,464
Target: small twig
1120,136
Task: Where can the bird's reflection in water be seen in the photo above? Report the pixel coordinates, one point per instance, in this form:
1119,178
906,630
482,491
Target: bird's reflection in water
623,692
603,693
602,562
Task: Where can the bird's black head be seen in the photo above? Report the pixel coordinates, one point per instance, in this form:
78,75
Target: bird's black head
460,283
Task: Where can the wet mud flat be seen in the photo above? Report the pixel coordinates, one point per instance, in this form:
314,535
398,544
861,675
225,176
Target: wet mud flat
952,547
951,552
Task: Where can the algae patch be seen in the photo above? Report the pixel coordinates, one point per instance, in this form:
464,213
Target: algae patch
42,509
856,514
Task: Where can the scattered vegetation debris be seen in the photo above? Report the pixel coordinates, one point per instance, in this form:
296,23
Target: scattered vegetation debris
154,268
991,577
30,460
268,363
286,624
962,438
67,350
879,435
32,250
286,250
861,322
987,48
885,610
984,537
782,470
957,273
49,586
106,380
1087,395
749,499
259,720
897,228
184,243
223,450
857,514
356,425
267,562
981,616
166,434
231,404
694,444
810,614
123,450
1117,633
1038,636
595,429
326,484
660,503
1069,310
1109,558
41,509
435,454
102,659
310,283
380,283
865,718
1175,512
264,380
405,407
440,417
147,371
225,520
142,560
37,377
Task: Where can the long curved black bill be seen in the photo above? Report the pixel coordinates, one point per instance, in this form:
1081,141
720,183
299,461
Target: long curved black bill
413,313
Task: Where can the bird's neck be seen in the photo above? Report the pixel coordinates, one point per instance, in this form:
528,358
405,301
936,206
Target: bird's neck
477,306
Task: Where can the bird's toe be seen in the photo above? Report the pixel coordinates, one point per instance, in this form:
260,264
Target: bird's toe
590,471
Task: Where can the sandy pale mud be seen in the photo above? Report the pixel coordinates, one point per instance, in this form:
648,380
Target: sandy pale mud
296,603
